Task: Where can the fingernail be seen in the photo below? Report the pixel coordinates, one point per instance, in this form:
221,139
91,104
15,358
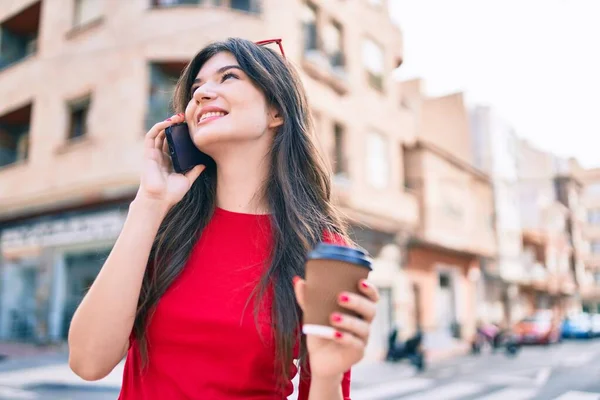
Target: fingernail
168,119
295,280
336,318
338,335
344,298
364,284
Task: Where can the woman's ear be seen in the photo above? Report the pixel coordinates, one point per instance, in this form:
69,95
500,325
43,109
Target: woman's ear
275,118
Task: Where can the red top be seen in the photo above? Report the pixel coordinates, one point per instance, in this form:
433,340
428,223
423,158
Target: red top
203,341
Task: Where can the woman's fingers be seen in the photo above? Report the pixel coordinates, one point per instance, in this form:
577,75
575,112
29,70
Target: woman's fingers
194,173
349,340
158,128
350,324
369,290
361,305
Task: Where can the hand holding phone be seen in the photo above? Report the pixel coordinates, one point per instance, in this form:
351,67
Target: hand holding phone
159,183
184,153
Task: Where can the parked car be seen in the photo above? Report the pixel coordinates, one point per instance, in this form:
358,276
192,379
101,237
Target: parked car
540,328
577,326
595,325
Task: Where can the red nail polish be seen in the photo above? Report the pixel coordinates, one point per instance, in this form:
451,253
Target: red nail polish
336,318
344,298
338,335
168,119
295,280
364,284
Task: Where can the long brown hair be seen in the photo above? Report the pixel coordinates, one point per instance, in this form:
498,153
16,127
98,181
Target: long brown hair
298,190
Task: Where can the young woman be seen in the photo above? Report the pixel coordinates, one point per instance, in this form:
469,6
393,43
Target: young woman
202,288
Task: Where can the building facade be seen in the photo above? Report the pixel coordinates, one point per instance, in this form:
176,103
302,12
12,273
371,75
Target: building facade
82,80
455,236
549,281
495,153
591,233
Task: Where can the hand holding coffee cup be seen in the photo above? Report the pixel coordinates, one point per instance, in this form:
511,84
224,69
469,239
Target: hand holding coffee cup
333,276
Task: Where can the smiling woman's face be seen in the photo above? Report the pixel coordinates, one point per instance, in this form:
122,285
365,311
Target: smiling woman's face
226,106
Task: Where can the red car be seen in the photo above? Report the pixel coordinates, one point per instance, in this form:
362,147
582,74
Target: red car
540,328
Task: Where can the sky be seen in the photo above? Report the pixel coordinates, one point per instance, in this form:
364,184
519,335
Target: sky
535,62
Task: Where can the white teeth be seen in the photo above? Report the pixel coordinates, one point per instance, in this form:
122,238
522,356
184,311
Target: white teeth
212,114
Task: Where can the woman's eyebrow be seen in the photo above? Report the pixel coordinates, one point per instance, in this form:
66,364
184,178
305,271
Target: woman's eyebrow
220,71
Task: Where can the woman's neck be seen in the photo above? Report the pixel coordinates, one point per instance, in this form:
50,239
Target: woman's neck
241,175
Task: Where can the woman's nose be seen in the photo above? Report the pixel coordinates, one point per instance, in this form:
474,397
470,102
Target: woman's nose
203,93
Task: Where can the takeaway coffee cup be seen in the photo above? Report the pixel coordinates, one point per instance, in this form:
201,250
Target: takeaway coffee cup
330,270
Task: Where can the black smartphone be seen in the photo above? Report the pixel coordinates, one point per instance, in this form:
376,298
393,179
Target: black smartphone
184,153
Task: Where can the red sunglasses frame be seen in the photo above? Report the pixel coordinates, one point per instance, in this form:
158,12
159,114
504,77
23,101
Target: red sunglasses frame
269,41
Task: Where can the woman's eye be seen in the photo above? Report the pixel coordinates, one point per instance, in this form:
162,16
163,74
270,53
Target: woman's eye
227,76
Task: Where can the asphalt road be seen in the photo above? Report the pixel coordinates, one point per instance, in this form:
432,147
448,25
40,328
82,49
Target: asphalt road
567,371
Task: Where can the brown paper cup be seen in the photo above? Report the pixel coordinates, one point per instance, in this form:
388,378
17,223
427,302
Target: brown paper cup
330,270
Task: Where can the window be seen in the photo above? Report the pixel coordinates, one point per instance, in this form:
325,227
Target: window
87,11
14,135
163,78
309,27
18,35
594,216
377,160
78,115
332,44
339,158
373,61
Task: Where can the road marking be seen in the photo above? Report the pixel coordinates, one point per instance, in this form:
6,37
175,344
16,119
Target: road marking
510,393
449,392
15,394
578,360
542,376
520,378
575,395
391,389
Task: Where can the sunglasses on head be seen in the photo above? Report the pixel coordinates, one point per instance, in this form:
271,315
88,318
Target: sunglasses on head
271,41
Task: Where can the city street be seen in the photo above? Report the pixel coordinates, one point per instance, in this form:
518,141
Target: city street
567,371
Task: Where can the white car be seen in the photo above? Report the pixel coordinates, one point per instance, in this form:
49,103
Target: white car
596,324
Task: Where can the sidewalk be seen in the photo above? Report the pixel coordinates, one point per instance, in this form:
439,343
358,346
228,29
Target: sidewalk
53,370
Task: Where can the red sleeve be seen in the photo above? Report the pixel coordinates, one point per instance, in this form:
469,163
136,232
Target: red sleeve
334,238
304,385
